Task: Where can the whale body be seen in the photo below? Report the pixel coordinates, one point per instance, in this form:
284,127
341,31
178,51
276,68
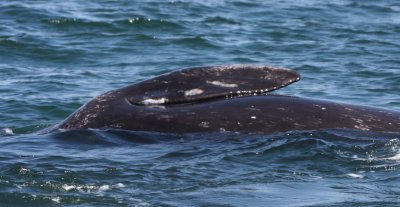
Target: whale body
232,98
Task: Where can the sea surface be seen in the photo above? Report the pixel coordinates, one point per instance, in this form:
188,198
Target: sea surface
56,55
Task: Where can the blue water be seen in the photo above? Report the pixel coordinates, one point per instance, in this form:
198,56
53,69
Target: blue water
56,55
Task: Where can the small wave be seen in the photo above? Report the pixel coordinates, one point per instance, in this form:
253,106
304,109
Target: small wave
185,153
150,23
221,20
194,42
111,137
73,22
375,8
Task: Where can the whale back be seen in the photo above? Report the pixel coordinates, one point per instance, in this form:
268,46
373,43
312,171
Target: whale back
203,83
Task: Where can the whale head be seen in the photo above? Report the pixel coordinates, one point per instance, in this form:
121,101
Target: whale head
115,108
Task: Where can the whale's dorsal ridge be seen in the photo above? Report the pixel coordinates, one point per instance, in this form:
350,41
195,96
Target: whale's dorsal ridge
211,82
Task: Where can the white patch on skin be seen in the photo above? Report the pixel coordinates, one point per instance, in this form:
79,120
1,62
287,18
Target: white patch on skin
166,116
252,108
117,125
226,85
151,101
156,106
193,92
319,106
360,121
253,117
360,125
204,124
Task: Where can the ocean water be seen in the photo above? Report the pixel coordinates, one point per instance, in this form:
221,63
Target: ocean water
56,55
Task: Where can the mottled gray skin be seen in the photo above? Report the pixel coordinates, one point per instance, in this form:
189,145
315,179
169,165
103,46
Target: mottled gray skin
253,114
247,112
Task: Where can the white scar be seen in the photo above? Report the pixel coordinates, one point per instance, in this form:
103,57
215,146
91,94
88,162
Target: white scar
193,92
226,85
151,101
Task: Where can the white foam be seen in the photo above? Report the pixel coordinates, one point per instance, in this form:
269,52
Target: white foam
396,157
394,145
56,199
91,188
133,20
23,170
6,131
120,185
68,187
104,188
353,175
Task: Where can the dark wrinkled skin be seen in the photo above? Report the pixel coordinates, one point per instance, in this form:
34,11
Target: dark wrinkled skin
220,109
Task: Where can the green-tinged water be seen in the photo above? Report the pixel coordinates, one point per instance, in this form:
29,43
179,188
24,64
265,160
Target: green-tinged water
56,55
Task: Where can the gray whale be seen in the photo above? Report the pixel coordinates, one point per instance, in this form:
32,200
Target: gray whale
223,98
